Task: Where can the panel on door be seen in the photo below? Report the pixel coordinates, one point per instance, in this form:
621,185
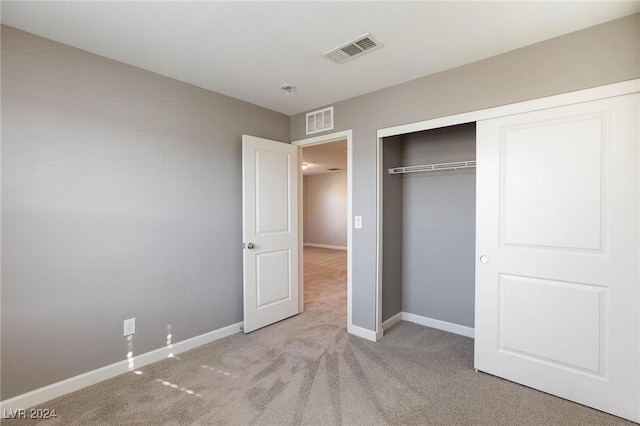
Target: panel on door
557,281
270,231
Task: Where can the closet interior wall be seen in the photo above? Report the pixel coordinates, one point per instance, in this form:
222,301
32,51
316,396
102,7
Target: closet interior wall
392,156
428,228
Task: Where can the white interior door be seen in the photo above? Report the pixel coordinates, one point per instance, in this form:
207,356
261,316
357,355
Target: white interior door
270,231
557,281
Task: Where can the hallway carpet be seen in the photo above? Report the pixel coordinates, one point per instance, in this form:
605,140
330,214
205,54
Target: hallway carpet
308,370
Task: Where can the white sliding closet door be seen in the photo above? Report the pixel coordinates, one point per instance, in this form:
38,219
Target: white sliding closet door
557,280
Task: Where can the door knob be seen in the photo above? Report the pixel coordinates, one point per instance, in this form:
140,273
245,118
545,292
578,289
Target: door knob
251,246
484,259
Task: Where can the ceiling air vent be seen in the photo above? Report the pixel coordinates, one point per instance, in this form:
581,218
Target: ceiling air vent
348,51
333,169
319,121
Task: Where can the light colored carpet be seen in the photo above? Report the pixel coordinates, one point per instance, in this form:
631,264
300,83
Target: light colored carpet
308,370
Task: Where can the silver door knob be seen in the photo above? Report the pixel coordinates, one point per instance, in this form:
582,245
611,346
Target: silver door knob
484,259
251,246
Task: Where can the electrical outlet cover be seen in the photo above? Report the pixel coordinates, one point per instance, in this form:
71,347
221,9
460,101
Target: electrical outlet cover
129,326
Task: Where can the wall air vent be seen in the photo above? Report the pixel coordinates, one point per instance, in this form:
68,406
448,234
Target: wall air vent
348,51
319,121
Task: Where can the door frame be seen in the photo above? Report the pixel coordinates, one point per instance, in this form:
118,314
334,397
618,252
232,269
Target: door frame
600,92
302,143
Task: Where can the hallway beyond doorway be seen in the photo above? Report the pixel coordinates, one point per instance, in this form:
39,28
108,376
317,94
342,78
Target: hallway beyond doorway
325,290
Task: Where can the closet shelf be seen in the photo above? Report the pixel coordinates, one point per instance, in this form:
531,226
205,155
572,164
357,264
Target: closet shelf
432,167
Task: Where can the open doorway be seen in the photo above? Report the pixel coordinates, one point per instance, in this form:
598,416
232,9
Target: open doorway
325,227
324,218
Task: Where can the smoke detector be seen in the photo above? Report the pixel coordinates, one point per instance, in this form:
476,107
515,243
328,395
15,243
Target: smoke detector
358,47
288,88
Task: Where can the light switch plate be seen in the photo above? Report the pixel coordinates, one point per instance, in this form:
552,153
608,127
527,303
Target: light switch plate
357,222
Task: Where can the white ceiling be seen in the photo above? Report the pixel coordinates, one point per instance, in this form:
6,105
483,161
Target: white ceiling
325,156
247,50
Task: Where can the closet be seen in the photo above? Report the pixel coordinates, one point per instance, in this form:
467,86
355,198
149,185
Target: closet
429,211
534,252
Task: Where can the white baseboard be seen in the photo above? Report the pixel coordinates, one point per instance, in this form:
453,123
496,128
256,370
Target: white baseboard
392,321
363,332
440,325
73,384
325,246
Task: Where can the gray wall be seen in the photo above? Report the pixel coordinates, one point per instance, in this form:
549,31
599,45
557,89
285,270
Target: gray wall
392,155
120,198
603,54
439,232
325,209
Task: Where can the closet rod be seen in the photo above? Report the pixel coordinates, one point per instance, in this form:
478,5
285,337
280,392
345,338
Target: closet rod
432,167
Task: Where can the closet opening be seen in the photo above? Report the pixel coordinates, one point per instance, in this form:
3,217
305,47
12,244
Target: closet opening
428,228
555,264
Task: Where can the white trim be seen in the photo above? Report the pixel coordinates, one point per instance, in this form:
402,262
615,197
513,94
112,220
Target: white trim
392,321
429,322
363,333
328,138
440,325
333,137
301,226
601,92
379,234
81,381
325,246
